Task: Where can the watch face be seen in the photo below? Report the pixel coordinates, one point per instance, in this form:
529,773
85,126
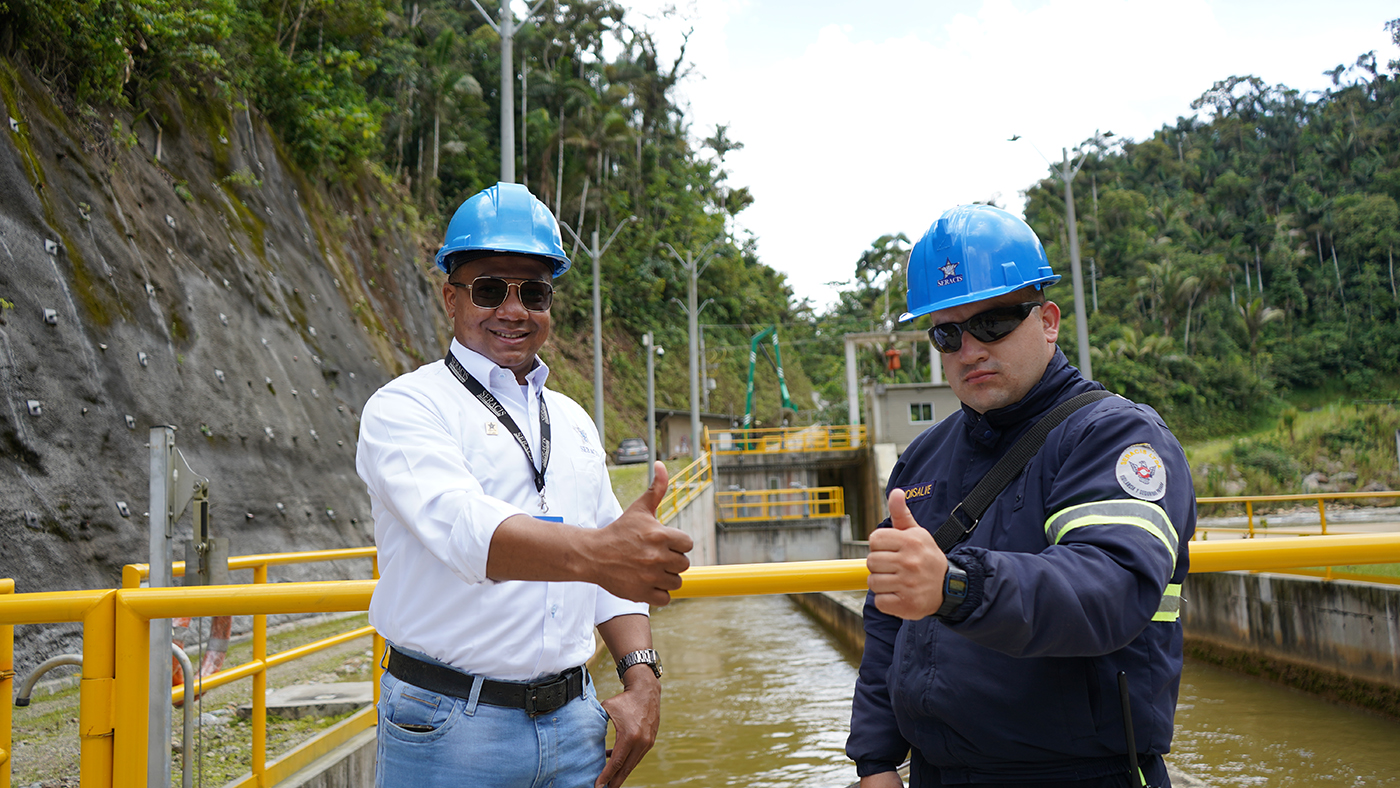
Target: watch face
957,585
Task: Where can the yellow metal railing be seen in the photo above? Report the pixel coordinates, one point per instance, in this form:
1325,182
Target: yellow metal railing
1321,498
795,503
818,437
116,631
688,483
258,665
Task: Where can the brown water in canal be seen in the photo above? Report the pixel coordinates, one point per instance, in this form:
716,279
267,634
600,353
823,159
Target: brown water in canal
756,694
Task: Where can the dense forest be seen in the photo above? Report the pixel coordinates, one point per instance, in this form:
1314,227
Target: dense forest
1243,257
407,93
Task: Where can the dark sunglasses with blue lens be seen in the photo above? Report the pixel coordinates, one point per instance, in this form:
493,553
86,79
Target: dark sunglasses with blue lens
988,326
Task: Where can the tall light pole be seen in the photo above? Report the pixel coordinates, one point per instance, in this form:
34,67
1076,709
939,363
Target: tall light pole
694,266
506,30
649,347
1081,316
596,255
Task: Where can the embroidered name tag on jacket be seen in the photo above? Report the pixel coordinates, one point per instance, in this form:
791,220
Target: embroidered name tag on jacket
917,491
1140,472
492,428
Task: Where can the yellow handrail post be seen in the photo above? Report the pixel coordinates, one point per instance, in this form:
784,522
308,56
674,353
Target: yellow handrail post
1322,513
1249,512
7,684
129,734
259,765
376,672
95,699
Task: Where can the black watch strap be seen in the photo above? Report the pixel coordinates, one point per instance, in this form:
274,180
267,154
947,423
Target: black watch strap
954,590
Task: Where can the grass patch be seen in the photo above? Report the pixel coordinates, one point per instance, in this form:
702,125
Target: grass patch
630,481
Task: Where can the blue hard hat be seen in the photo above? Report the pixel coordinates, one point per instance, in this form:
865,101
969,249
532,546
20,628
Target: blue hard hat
505,218
972,253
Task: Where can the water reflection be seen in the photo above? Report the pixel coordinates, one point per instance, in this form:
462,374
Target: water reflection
1234,730
758,695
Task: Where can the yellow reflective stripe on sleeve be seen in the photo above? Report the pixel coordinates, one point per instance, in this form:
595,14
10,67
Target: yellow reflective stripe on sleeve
1170,608
1127,511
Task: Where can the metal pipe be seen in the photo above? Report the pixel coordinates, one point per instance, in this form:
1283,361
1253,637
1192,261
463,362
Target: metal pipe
188,764
27,688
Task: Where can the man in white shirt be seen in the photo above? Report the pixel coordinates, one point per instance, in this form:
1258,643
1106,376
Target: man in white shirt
501,544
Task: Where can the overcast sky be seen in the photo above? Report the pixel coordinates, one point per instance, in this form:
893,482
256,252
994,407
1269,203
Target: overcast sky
865,118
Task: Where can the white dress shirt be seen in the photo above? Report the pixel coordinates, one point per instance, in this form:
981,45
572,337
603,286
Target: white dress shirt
443,473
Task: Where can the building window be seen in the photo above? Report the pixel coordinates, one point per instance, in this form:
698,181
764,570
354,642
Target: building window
920,412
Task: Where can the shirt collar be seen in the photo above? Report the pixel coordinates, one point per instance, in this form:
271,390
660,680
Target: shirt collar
484,369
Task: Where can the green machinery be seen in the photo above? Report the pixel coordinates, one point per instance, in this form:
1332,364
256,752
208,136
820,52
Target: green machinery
776,361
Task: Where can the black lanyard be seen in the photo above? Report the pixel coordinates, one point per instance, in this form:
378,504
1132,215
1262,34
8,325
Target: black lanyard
492,404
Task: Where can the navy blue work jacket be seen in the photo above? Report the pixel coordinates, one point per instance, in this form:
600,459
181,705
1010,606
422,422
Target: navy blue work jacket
1071,578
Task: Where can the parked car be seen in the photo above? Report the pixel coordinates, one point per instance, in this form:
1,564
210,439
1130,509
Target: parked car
630,450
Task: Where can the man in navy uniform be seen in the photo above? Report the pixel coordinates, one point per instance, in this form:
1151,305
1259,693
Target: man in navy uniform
997,663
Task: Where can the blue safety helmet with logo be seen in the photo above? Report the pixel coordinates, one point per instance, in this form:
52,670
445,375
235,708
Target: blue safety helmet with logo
502,219
972,253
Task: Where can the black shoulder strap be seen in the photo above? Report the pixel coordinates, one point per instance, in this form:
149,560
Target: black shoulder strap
966,515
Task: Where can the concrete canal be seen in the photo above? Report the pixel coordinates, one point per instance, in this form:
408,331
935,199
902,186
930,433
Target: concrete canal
757,694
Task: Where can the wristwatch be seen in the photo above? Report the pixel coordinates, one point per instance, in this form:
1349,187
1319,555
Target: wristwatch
954,590
646,656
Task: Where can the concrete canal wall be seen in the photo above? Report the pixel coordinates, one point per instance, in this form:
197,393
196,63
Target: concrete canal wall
1337,638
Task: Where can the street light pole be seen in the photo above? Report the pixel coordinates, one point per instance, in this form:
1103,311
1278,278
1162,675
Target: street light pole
597,255
694,266
506,30
649,346
1081,317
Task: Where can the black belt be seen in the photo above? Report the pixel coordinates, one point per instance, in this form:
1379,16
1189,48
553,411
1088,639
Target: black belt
539,697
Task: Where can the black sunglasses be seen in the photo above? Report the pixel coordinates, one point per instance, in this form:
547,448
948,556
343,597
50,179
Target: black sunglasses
988,326
489,292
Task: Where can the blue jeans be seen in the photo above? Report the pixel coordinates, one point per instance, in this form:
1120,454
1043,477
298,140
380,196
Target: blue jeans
455,742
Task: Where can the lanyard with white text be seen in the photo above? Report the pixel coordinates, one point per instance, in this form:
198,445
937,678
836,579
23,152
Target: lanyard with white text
492,404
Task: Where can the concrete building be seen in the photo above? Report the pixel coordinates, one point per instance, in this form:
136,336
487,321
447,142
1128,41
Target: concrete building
673,430
895,413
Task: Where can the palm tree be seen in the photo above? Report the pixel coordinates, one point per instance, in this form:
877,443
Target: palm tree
1256,316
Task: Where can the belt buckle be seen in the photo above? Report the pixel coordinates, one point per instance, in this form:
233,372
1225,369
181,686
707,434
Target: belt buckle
544,698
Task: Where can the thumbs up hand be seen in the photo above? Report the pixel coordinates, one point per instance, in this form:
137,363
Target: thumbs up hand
906,566
636,557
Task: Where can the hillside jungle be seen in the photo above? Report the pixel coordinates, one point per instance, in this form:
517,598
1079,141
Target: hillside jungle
1243,257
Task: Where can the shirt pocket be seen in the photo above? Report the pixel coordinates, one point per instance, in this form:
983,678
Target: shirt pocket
588,473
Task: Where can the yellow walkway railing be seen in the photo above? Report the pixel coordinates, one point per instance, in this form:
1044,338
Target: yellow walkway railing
783,504
1321,498
112,722
818,437
683,488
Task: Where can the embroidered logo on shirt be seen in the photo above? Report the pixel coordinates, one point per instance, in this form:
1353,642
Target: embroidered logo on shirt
1141,474
917,491
950,273
492,428
582,434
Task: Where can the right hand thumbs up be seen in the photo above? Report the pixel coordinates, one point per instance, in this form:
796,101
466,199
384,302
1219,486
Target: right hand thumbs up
906,566
637,557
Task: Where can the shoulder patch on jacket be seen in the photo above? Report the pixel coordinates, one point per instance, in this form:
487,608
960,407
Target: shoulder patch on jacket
1140,472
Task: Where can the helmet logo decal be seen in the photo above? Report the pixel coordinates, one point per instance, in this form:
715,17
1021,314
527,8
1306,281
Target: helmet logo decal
1141,473
950,273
